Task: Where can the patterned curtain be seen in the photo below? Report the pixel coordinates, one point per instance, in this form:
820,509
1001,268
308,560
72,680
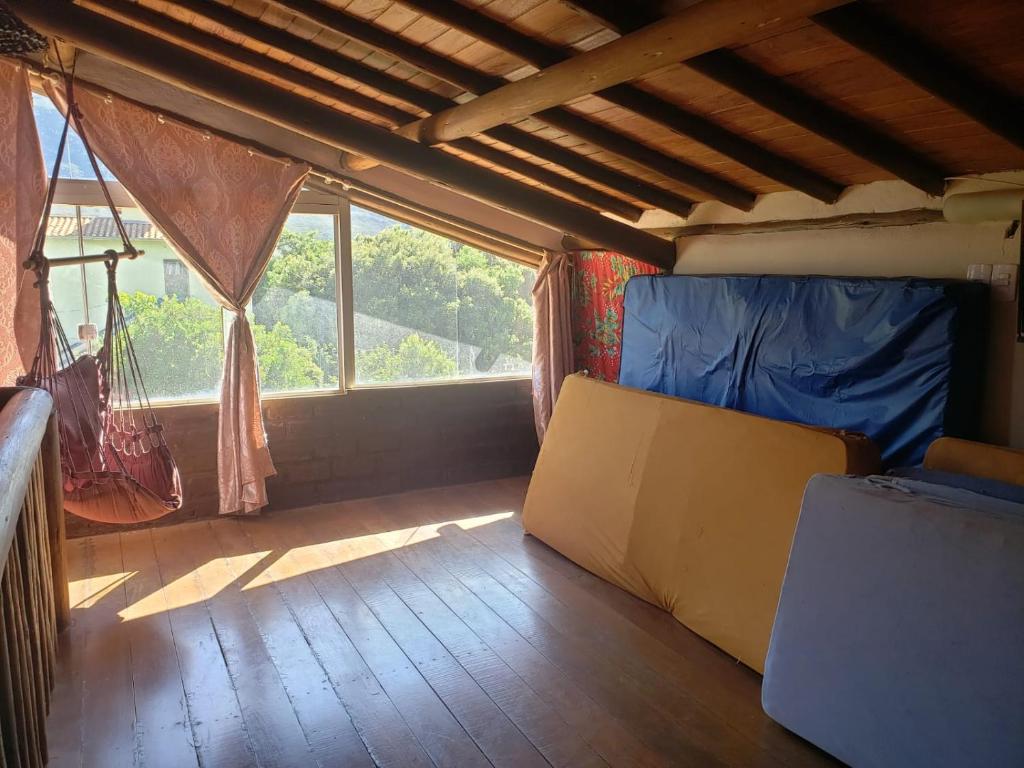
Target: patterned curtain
598,287
22,190
222,207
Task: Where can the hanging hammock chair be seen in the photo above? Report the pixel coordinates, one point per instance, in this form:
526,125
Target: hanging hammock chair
115,462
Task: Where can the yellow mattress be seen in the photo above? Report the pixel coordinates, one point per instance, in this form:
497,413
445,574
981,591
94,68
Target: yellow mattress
949,454
688,506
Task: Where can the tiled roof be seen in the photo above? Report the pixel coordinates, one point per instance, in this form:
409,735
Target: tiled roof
100,228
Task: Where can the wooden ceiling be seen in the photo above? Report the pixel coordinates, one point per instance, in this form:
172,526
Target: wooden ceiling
913,89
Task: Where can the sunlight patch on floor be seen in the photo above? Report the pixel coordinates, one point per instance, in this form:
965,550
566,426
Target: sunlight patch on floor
314,557
85,593
200,584
218,574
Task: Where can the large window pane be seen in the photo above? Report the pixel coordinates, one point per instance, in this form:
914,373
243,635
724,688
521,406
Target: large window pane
50,124
176,329
67,287
295,309
428,308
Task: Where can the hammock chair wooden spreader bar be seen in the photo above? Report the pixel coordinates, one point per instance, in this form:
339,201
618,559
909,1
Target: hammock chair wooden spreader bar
116,465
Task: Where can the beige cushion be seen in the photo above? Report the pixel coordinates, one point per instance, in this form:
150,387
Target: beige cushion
688,506
949,454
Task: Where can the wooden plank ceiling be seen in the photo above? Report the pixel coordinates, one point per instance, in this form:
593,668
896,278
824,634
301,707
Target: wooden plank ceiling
814,105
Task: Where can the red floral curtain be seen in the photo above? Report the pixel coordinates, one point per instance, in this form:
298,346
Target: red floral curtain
598,287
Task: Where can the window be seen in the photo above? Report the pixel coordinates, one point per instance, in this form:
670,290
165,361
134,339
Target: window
427,308
176,279
295,309
50,124
424,308
176,330
176,325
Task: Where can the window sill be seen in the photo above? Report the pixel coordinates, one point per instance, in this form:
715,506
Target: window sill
443,382
269,396
158,404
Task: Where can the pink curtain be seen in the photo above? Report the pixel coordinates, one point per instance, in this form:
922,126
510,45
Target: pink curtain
22,190
552,336
222,207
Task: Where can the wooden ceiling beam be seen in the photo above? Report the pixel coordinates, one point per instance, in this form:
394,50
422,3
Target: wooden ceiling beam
584,193
183,68
653,194
853,135
774,94
686,123
616,15
698,29
133,13
937,71
281,40
205,44
477,82
580,165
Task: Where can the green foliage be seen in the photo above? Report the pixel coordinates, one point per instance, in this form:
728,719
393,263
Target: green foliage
180,346
415,358
435,286
401,275
179,343
284,363
304,261
404,276
299,292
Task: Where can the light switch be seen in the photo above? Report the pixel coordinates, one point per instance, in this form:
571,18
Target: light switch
1004,282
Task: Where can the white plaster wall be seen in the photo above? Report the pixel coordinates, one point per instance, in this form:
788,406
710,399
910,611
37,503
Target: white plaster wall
927,250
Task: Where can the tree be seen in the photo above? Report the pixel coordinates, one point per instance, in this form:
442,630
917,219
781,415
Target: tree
284,363
405,276
415,358
180,347
299,292
304,261
179,343
433,285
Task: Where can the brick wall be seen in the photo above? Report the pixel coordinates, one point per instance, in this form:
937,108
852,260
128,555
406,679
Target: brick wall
365,443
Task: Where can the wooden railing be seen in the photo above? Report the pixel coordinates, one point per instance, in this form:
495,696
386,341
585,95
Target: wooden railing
34,603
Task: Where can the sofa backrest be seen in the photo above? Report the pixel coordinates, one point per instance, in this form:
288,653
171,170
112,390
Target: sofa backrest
688,506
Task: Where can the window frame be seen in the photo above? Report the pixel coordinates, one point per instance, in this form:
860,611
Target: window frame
350,316
87,192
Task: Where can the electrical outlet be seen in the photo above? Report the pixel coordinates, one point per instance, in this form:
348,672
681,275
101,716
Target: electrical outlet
1004,282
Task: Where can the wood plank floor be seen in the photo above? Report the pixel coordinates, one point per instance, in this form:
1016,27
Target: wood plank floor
414,630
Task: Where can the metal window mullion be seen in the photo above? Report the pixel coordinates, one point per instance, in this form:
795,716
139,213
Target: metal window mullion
346,311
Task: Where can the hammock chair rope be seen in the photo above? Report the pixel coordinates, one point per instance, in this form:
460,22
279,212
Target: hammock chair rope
116,465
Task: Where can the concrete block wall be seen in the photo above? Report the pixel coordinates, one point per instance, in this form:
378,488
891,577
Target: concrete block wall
367,442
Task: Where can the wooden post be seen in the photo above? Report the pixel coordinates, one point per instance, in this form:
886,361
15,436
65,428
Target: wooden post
54,495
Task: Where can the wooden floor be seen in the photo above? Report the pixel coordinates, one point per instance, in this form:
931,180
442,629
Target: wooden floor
414,630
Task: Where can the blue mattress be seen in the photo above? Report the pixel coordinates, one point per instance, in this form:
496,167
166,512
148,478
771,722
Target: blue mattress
899,637
900,360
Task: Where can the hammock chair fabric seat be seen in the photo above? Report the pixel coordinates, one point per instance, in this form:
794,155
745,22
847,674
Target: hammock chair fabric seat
116,465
